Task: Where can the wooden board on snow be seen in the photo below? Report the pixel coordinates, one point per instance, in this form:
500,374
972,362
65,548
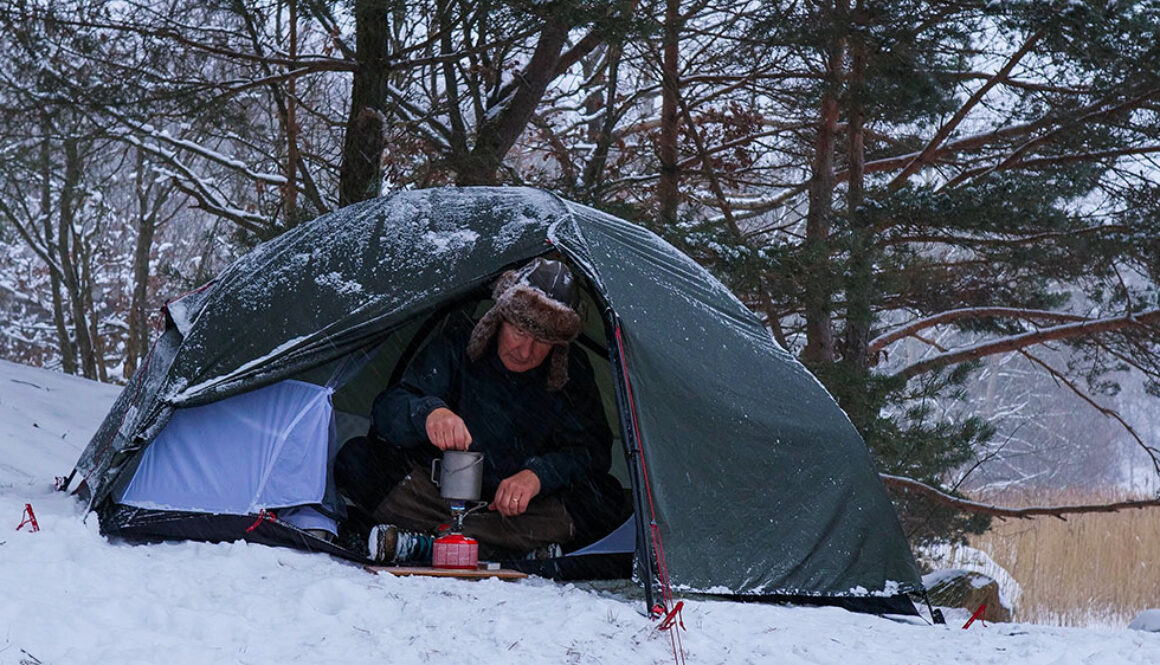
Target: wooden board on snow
402,571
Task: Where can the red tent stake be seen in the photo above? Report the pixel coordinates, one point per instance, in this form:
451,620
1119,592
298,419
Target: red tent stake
977,615
29,517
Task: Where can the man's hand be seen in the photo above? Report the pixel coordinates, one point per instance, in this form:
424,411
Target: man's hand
447,431
515,492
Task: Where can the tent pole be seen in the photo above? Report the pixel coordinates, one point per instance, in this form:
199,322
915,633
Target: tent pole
936,616
62,482
639,502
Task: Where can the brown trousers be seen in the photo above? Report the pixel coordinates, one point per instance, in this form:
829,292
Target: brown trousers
414,504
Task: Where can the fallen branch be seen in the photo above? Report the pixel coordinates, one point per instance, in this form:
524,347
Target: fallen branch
966,505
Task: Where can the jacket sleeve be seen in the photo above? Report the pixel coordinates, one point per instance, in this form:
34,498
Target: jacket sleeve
581,442
399,413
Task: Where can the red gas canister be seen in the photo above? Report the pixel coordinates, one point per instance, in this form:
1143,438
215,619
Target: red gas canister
455,550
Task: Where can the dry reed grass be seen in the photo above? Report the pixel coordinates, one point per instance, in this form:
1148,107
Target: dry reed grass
1096,569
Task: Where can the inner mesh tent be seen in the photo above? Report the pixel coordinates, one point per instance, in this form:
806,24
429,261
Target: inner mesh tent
747,478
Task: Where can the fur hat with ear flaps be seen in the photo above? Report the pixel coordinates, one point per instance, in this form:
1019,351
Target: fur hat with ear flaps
541,299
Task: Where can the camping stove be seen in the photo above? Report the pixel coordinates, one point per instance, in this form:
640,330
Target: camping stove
460,477
453,549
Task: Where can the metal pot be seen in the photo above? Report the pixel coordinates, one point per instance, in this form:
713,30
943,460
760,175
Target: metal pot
459,475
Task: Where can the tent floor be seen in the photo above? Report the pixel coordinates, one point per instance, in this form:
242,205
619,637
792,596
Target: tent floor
426,571
146,525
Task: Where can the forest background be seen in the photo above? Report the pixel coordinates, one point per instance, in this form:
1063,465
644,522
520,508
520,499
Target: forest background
946,210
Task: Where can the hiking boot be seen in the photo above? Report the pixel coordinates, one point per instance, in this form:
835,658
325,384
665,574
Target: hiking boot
390,544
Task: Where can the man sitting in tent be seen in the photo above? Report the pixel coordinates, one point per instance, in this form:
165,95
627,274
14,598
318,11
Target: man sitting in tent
514,389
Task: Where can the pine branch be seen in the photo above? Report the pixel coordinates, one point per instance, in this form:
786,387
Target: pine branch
1016,342
965,144
1152,372
969,506
992,241
1023,84
932,148
1102,109
878,343
1014,162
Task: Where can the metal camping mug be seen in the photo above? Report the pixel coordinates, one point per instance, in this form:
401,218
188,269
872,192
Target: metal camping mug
459,475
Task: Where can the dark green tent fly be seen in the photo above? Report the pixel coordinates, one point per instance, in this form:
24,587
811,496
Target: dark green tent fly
746,477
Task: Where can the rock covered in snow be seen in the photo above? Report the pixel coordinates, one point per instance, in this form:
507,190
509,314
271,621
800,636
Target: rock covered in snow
968,590
1147,621
962,557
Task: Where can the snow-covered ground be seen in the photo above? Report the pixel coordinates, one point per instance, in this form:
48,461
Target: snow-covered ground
69,597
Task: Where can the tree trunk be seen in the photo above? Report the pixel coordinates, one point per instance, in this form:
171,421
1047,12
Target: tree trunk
68,355
668,185
860,275
290,195
361,173
594,67
68,255
93,316
818,285
594,170
450,82
138,345
499,131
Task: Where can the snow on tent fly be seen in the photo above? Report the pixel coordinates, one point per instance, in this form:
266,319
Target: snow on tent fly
745,477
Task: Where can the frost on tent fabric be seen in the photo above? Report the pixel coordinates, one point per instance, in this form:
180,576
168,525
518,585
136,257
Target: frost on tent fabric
744,475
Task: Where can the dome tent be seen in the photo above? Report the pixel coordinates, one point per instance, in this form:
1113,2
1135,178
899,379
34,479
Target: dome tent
746,477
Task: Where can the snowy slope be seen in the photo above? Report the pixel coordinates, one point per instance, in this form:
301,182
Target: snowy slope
67,596
46,419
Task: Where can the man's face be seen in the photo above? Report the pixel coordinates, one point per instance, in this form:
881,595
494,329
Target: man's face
518,350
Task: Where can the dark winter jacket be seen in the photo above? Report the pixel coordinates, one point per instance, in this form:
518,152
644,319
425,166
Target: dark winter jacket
513,419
